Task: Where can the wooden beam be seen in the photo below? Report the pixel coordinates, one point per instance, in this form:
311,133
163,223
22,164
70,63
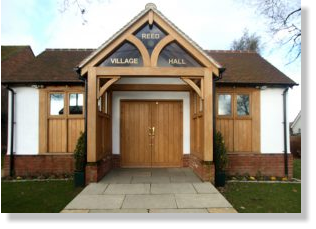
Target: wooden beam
155,54
149,71
151,17
43,102
92,115
149,87
114,44
107,85
193,85
208,115
142,49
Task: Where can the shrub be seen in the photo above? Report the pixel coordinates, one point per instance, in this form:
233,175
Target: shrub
80,153
221,158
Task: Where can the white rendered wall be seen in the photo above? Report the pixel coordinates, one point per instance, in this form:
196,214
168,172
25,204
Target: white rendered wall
118,95
272,132
26,108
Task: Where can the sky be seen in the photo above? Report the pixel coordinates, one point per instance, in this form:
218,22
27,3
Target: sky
212,24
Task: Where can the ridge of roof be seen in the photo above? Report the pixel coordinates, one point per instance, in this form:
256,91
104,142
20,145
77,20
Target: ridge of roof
231,51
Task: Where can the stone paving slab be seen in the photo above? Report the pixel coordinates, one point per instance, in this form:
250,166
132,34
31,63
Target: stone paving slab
221,210
96,202
128,189
184,179
94,189
172,188
150,180
116,180
205,187
193,210
149,201
201,201
126,210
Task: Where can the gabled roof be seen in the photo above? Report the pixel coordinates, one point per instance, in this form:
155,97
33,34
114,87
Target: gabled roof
295,120
51,66
57,66
13,58
149,6
246,67
8,51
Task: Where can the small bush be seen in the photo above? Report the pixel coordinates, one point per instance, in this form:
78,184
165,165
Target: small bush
80,153
221,158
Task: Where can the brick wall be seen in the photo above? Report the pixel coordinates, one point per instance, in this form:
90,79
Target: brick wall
116,161
34,165
206,171
96,171
266,164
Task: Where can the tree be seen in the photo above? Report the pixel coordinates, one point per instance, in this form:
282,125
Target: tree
80,6
284,21
247,43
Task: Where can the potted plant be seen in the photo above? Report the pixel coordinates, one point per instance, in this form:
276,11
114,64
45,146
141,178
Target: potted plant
80,159
220,154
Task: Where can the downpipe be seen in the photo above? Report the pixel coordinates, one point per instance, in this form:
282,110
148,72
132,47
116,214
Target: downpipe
286,169
12,132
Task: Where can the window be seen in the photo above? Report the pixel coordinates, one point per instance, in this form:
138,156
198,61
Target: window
57,104
243,105
224,104
150,35
75,103
100,104
173,55
126,55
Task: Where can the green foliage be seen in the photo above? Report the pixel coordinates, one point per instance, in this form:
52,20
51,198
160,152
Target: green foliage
248,42
297,168
80,153
221,158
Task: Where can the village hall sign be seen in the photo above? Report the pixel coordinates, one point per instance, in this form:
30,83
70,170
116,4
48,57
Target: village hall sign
128,55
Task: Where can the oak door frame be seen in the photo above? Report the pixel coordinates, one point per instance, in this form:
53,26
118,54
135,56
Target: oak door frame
155,100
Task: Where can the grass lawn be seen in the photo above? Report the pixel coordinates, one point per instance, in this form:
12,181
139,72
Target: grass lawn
297,168
263,197
36,196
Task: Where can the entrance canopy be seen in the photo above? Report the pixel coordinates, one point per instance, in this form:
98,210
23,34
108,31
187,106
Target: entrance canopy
150,46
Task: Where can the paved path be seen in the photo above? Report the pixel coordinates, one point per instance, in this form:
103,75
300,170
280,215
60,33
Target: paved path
171,190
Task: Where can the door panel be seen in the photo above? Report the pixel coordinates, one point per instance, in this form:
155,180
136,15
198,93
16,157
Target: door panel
151,133
167,145
135,142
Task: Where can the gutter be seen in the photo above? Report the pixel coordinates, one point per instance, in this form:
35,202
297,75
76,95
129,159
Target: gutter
12,132
78,71
286,169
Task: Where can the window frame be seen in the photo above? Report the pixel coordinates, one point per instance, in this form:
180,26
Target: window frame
66,113
68,103
231,115
239,117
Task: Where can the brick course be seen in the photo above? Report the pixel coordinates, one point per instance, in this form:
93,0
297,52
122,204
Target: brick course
253,163
34,165
96,171
206,171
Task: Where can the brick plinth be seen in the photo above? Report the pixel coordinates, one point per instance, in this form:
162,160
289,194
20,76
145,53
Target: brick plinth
253,164
116,161
35,165
205,170
186,160
96,171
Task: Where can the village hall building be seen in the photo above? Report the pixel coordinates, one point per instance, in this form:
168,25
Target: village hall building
148,97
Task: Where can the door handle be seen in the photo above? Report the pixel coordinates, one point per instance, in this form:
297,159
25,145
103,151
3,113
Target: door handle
149,131
153,132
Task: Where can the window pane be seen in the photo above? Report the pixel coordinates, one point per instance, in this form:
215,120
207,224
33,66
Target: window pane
75,103
224,104
173,55
243,105
100,104
56,104
126,55
150,35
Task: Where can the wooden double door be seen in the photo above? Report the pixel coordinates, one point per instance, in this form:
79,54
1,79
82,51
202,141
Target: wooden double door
151,133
